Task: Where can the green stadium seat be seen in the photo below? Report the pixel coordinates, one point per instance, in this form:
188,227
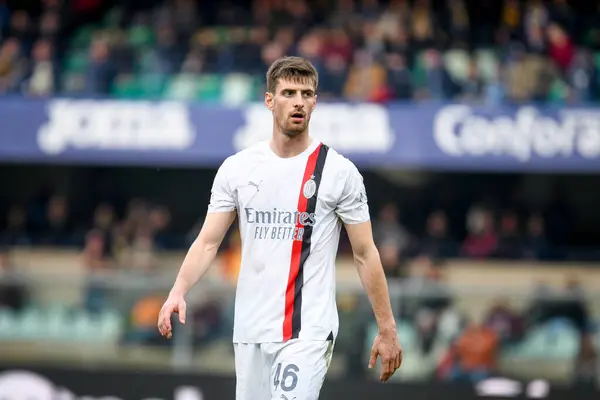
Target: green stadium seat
457,63
209,88
113,17
57,322
152,85
487,64
8,324
73,82
140,36
597,60
548,343
83,328
31,324
237,89
110,325
182,87
419,71
558,92
83,37
127,87
76,61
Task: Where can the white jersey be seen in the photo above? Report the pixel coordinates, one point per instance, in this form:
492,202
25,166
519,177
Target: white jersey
290,213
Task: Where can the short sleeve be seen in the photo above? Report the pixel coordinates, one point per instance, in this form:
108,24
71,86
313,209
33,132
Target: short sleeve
353,207
221,196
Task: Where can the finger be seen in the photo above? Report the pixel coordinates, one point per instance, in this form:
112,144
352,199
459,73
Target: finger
373,358
182,310
399,359
392,368
161,324
385,369
165,322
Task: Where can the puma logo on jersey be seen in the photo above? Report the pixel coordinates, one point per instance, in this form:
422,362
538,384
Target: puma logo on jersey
256,185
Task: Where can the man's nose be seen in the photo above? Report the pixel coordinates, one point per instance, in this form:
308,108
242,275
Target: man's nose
298,103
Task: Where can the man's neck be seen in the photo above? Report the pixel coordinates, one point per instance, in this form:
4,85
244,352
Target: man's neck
286,147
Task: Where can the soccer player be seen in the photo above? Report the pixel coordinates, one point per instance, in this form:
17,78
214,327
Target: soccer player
291,194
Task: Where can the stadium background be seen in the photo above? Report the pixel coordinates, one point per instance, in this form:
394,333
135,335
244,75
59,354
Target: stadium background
114,116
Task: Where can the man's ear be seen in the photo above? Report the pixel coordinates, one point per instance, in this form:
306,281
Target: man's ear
269,100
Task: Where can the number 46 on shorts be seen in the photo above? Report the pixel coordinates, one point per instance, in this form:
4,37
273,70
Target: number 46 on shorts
286,377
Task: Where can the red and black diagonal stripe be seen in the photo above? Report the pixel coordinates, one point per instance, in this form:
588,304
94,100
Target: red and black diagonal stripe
292,322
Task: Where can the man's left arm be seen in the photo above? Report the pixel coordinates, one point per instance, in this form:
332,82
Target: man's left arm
353,210
370,271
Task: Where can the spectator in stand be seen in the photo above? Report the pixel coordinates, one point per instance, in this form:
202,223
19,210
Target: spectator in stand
95,263
390,260
12,66
437,242
506,322
13,295
560,48
40,80
387,228
399,77
56,226
509,240
481,241
101,71
104,222
535,244
475,354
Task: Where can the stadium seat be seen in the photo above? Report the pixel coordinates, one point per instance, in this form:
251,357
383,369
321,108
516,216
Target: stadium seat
30,325
209,88
449,327
8,324
127,87
76,61
152,86
140,36
57,322
457,63
418,71
554,340
83,37
558,92
181,87
236,89
110,326
83,328
487,64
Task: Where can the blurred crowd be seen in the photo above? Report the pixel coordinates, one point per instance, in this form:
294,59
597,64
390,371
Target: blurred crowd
130,236
367,50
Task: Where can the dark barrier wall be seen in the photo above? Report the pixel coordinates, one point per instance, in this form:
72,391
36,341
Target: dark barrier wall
67,384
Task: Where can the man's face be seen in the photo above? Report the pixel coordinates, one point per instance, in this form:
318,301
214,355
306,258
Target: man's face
292,105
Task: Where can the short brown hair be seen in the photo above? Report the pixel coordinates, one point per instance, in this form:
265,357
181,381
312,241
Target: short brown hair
295,69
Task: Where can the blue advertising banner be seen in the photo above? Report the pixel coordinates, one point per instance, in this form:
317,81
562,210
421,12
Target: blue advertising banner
427,136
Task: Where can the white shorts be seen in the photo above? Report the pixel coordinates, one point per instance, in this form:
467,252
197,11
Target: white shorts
294,370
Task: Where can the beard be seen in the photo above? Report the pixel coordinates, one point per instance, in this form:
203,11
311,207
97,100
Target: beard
292,129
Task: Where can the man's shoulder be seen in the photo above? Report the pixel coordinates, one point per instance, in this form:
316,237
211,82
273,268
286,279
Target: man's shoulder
339,163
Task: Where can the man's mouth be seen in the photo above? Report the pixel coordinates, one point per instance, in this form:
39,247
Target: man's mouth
297,116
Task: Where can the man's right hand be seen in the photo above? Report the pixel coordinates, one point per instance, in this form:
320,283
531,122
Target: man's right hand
173,304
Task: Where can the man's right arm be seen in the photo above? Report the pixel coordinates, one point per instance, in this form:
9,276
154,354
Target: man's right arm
220,216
